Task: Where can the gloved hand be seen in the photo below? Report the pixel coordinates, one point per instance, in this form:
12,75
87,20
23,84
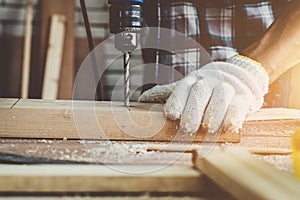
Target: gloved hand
218,93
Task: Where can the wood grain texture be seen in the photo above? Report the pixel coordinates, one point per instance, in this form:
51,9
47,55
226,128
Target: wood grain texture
54,57
101,178
111,120
94,120
246,177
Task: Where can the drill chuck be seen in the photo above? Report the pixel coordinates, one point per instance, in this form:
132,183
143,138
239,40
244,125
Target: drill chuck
125,15
126,21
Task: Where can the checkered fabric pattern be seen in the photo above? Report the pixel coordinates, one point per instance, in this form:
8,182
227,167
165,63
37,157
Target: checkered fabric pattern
183,18
222,27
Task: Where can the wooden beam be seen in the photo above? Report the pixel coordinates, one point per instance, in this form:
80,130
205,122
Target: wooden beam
27,49
192,147
7,103
47,8
246,177
94,120
294,96
108,120
275,114
102,178
54,57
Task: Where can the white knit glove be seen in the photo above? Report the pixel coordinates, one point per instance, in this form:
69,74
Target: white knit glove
219,92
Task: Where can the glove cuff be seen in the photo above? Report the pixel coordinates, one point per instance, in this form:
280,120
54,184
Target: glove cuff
254,68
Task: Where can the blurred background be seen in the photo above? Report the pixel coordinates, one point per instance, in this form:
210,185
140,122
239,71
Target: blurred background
72,50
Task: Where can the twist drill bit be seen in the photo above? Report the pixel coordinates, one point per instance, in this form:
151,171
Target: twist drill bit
126,21
126,79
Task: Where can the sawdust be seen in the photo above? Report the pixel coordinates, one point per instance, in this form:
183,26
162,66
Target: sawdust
45,141
281,162
128,152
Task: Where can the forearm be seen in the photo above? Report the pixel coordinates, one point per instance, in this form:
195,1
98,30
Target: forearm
279,49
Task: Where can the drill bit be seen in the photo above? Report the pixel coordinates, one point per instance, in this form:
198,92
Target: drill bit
126,79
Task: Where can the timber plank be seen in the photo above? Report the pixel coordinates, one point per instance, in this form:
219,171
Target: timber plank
47,9
294,94
54,57
7,103
246,177
93,120
91,151
275,114
27,49
101,178
111,120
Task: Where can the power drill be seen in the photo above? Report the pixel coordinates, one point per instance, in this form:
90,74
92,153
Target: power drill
126,20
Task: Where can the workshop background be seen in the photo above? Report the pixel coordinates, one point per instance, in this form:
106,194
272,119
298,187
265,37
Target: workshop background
12,26
63,149
75,49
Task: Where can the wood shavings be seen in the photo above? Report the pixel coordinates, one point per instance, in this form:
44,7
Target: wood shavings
138,148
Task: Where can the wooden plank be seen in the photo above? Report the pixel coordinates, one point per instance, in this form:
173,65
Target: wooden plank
102,178
7,103
120,196
192,147
128,152
91,151
246,177
27,49
294,97
94,120
111,120
47,9
54,57
275,114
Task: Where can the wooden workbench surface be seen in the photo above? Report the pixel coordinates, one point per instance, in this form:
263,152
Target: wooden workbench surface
24,131
48,119
124,152
50,125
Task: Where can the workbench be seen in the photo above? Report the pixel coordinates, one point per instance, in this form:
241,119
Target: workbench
47,130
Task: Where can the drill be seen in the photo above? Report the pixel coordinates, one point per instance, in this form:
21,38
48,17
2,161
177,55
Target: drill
125,20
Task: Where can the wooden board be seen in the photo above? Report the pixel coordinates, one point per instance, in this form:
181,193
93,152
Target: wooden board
27,49
102,178
246,177
54,57
111,120
7,103
125,152
47,8
294,97
93,120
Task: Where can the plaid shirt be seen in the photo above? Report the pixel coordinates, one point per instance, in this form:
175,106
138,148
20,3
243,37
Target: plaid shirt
222,27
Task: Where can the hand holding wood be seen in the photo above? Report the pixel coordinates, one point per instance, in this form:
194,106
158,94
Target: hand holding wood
219,92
